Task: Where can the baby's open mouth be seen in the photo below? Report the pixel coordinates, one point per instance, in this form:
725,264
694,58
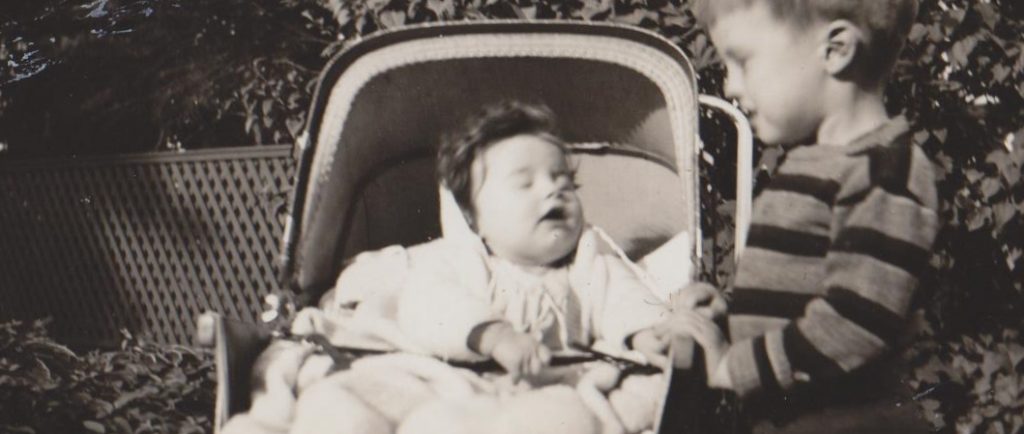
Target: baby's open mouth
556,213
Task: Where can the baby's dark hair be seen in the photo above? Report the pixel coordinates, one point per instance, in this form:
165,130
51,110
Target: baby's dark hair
494,123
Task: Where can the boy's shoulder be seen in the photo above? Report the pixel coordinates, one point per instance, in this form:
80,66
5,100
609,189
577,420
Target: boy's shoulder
886,158
898,165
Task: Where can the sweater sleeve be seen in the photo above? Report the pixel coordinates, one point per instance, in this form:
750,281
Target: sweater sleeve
444,298
880,241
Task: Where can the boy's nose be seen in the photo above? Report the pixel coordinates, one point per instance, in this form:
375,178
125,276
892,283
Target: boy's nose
733,87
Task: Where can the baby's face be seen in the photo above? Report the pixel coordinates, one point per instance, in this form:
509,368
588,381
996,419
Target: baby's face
525,202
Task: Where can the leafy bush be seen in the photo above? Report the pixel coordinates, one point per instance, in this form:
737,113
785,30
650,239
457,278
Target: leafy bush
141,388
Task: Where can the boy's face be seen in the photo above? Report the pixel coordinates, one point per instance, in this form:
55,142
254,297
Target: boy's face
525,202
775,71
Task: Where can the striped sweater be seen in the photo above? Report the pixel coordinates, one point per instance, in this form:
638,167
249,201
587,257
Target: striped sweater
837,240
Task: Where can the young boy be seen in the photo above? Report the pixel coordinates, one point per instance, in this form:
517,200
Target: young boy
838,237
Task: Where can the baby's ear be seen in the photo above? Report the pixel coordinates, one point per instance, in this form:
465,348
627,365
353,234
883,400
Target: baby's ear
841,48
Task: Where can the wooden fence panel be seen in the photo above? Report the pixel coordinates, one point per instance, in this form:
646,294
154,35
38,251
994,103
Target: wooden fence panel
143,242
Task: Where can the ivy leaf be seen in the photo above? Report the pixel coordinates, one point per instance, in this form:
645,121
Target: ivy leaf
443,8
992,362
1008,164
979,218
1004,212
952,19
917,32
961,51
94,426
929,372
1006,393
988,14
633,18
1016,353
294,126
973,175
1000,72
990,187
592,8
391,18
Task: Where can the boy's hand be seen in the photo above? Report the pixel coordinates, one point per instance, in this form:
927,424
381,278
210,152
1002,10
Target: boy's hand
700,297
652,345
519,353
702,329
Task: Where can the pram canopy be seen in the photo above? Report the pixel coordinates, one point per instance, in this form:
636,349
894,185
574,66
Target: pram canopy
625,100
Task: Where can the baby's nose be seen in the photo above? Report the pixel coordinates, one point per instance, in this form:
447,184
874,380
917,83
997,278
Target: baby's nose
552,187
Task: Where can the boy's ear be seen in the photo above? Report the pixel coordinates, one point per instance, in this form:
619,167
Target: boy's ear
844,40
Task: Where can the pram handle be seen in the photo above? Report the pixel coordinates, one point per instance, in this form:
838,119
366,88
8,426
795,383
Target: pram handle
744,165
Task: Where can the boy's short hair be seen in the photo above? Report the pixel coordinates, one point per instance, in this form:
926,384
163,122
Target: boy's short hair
494,123
886,23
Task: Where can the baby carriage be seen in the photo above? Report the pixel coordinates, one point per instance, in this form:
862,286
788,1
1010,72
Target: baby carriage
626,101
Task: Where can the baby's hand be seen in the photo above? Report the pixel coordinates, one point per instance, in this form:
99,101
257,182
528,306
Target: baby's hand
519,353
703,330
652,345
700,297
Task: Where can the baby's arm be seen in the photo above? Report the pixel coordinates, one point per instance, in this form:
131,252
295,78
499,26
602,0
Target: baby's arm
626,310
443,299
517,352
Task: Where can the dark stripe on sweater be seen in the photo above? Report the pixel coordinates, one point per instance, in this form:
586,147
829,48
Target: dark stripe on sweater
787,241
824,190
889,167
805,357
867,314
768,302
769,383
905,255
859,196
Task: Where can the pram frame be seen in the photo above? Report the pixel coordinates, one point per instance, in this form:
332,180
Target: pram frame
235,343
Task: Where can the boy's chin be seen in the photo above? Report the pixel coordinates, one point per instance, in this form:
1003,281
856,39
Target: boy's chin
773,135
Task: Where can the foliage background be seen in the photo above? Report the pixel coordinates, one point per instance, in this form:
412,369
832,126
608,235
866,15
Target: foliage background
101,76
140,388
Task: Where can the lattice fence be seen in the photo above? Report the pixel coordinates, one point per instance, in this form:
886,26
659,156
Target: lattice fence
143,243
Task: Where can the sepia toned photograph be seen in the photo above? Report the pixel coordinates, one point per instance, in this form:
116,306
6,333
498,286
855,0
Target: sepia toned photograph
512,216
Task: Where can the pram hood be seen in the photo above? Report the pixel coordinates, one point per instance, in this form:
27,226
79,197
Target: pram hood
625,99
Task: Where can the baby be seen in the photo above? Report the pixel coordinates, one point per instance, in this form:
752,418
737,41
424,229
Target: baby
519,277
531,281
